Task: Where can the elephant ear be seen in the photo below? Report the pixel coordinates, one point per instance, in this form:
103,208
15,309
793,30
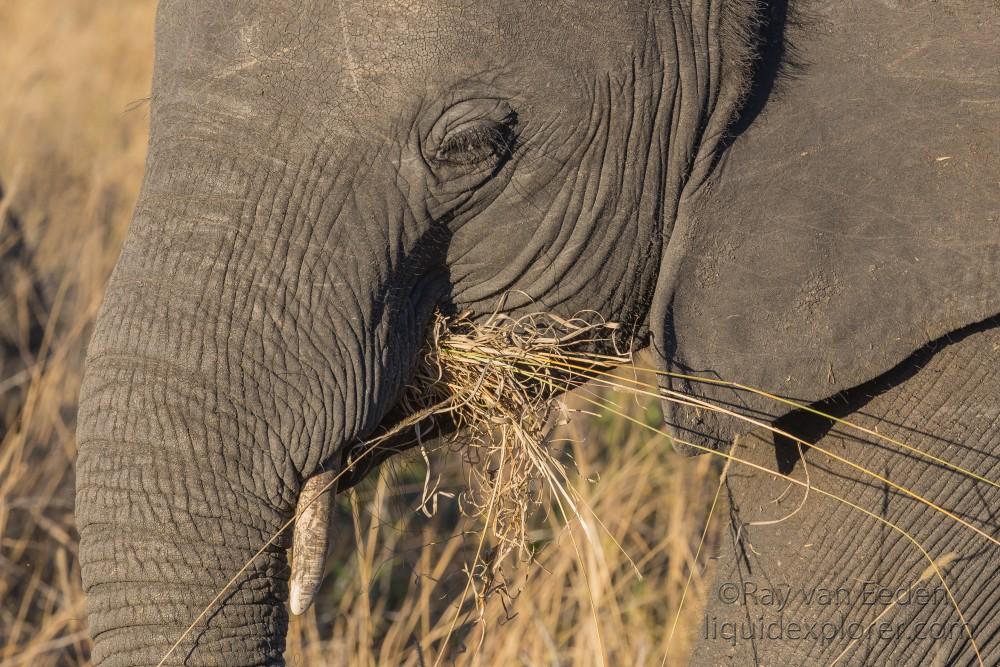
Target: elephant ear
854,220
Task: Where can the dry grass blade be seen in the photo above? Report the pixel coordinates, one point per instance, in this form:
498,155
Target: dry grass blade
588,369
701,544
794,405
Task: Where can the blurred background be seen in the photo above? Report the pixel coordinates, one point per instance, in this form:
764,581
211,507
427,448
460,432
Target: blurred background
74,78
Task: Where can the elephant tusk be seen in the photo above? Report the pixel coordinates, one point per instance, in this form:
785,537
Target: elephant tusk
310,540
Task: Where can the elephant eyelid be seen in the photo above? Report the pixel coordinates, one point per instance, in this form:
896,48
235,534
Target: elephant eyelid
478,141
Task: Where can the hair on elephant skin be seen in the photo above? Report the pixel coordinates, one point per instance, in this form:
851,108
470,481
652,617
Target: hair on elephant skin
793,196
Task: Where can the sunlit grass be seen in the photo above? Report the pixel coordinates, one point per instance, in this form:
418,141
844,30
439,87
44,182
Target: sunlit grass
70,165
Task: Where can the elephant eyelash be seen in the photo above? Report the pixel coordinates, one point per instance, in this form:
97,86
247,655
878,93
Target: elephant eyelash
484,141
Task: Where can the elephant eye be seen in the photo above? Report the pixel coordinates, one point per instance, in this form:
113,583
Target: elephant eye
478,142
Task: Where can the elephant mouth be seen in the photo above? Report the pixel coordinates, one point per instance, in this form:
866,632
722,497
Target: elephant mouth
536,357
358,461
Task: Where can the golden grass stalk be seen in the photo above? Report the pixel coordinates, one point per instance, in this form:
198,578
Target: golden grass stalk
795,405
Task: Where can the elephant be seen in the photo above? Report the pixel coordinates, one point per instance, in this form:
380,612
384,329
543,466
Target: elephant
798,197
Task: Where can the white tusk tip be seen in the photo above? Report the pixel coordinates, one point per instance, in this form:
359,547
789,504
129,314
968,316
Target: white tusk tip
298,601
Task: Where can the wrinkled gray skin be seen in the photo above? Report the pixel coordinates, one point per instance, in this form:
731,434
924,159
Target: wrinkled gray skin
323,175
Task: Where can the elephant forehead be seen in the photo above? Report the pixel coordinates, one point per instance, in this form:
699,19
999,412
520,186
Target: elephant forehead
366,51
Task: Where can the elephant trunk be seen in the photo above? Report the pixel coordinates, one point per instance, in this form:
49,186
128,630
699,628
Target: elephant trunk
166,520
182,473
240,347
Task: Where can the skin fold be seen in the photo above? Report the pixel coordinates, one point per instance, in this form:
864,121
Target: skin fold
323,176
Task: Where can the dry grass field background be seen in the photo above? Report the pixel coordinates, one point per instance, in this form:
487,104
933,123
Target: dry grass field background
73,123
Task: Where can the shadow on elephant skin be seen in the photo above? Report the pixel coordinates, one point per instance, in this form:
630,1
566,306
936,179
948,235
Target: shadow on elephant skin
811,427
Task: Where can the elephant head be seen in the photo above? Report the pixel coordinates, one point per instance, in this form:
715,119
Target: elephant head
322,176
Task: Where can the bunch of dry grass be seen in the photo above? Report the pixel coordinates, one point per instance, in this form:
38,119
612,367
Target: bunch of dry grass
497,381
